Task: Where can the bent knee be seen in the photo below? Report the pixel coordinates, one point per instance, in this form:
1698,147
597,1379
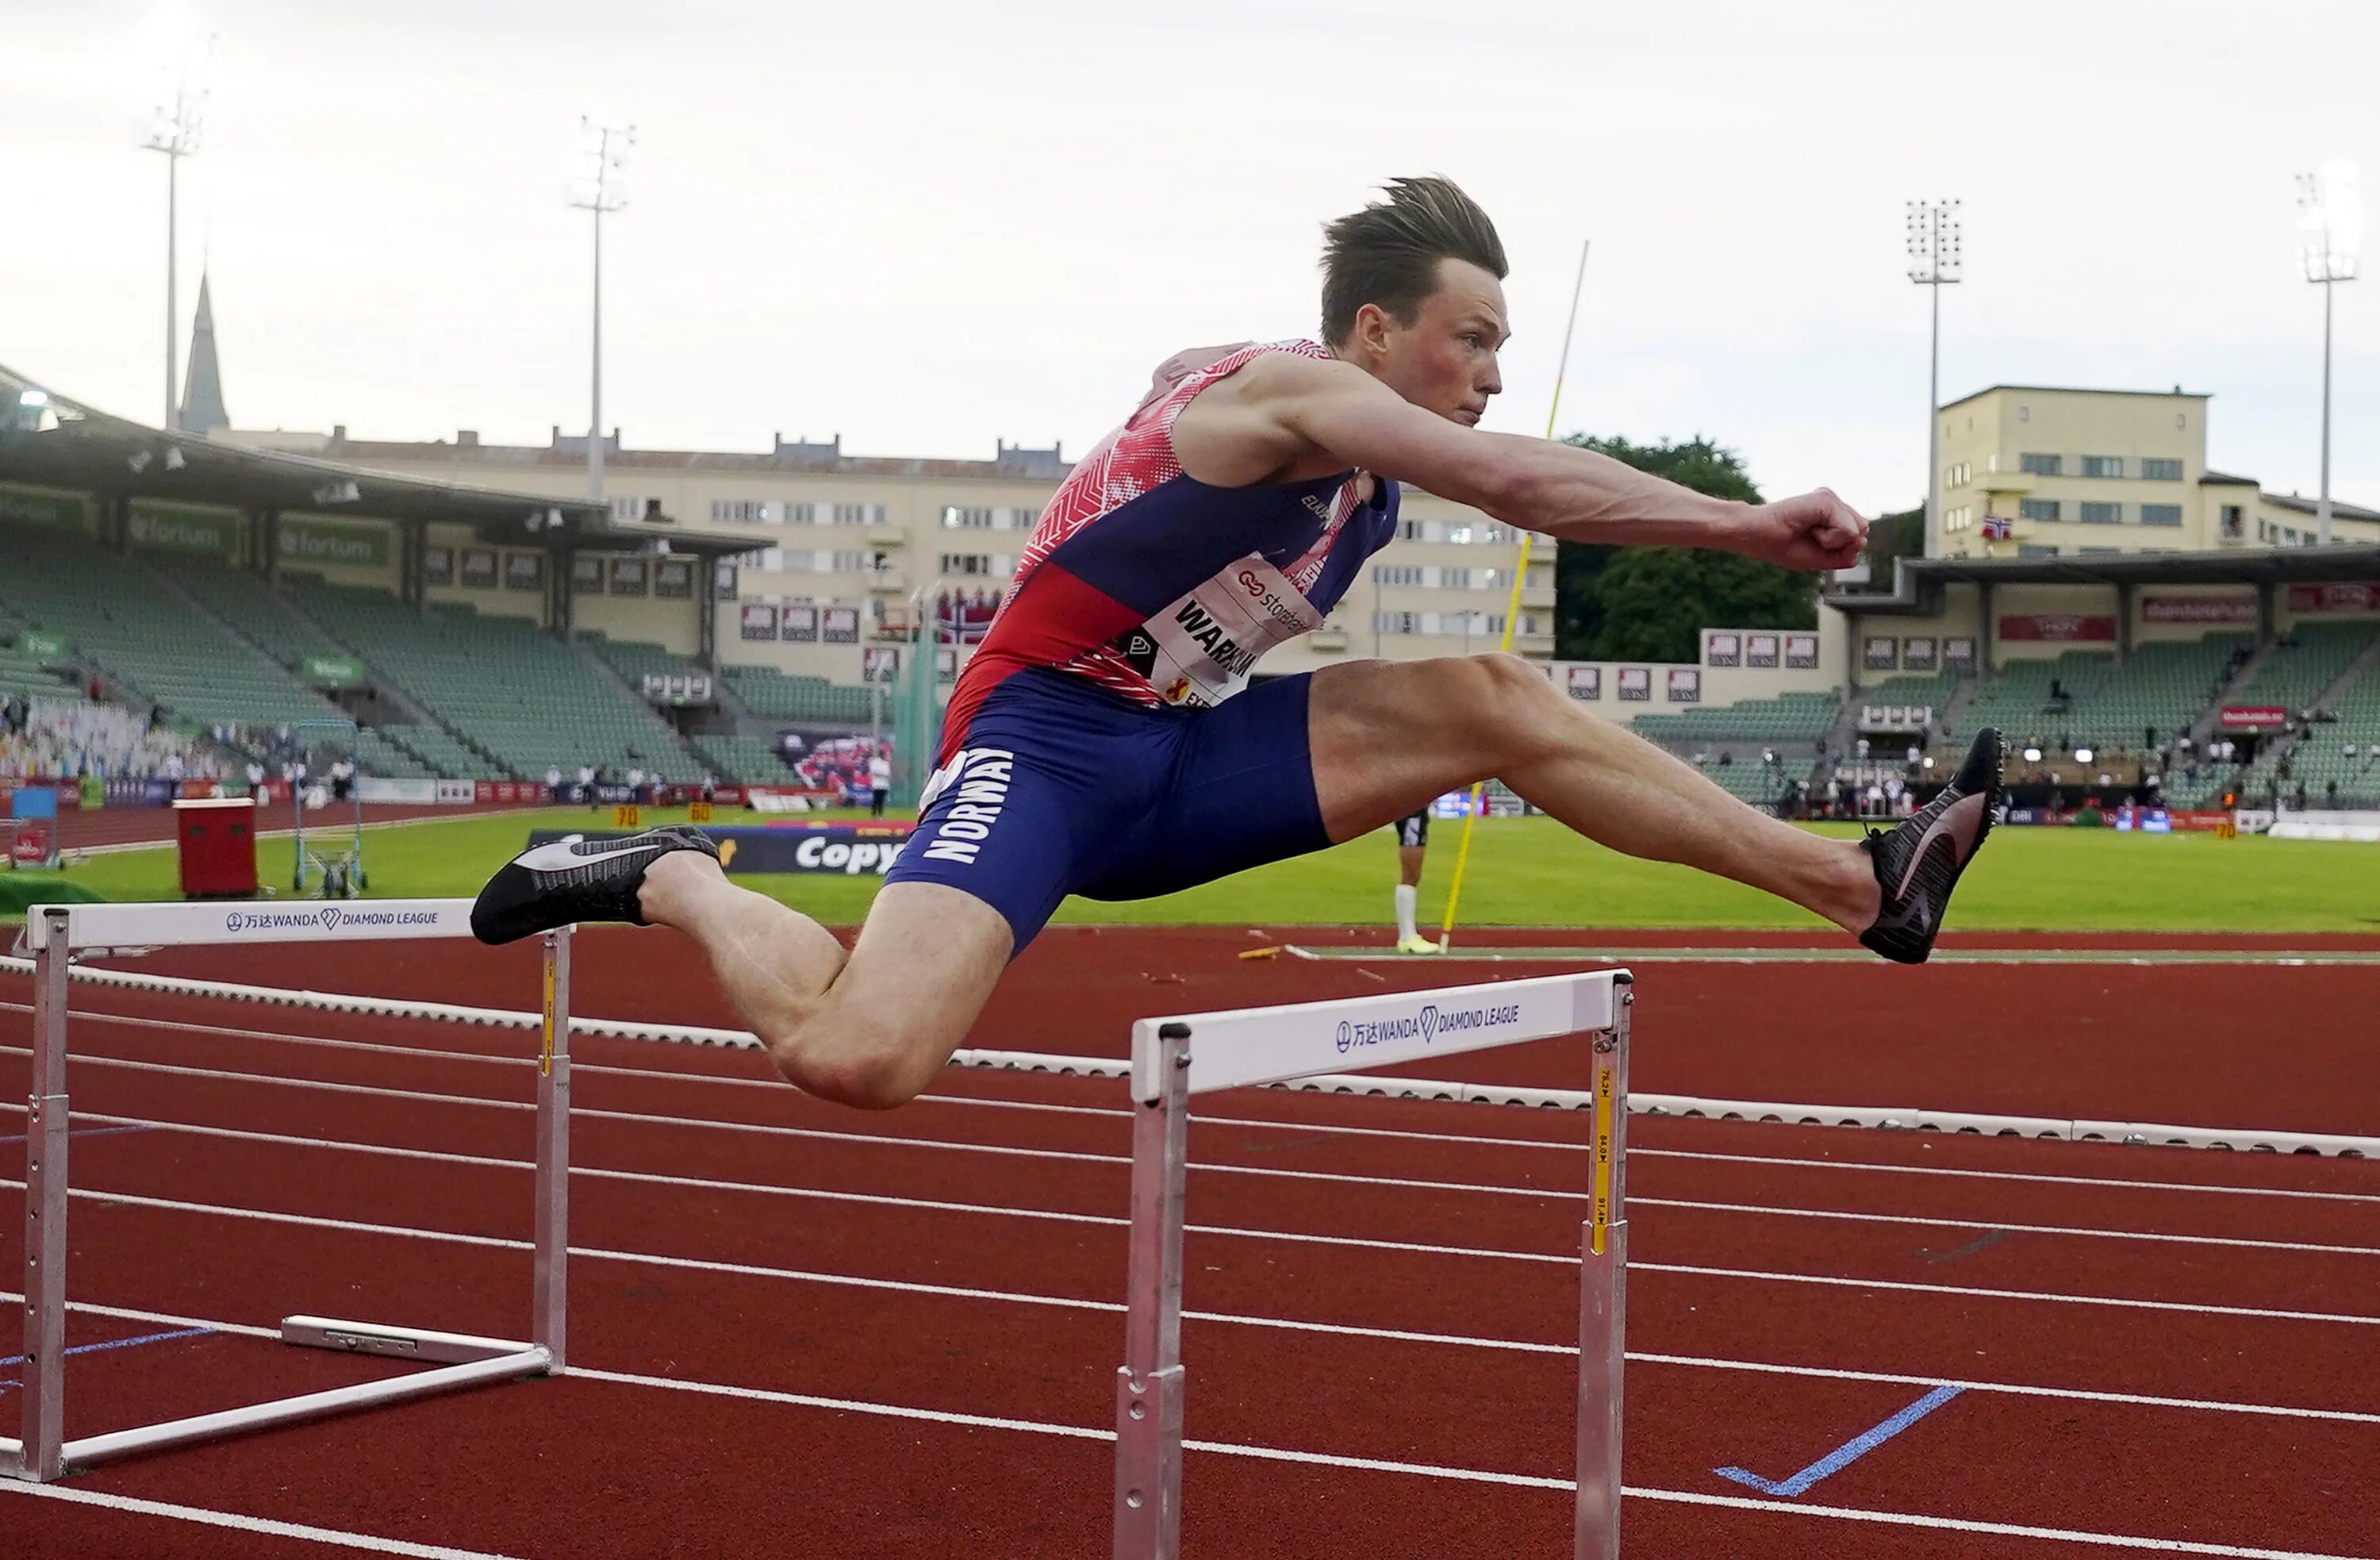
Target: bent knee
867,1067
1500,693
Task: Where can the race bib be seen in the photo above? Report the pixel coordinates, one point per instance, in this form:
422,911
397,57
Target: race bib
1199,650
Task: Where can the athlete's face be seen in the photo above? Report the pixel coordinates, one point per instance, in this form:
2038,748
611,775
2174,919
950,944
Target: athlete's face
1445,360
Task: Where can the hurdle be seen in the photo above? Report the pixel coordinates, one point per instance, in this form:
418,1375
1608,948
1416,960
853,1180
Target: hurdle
1316,1044
57,936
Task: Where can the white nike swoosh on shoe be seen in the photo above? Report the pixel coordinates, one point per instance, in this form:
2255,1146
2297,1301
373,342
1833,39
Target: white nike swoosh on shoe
1962,821
561,856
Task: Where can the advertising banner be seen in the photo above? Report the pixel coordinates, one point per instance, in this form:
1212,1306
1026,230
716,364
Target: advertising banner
398,793
845,849
524,571
332,541
2349,596
674,579
1880,653
161,528
1685,685
1722,647
334,671
438,566
45,647
1801,650
1760,650
2062,626
1584,682
1917,654
20,508
2238,610
801,623
1636,684
2253,717
450,792
1959,654
478,569
840,625
755,620
629,577
586,574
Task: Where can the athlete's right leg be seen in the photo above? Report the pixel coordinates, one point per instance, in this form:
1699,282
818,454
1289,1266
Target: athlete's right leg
870,1027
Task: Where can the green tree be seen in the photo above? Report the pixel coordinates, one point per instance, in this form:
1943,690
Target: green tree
1650,603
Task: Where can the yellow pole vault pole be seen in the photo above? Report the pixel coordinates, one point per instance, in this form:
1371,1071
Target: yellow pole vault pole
1512,608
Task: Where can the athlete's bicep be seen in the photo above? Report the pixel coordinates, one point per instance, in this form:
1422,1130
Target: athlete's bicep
1362,423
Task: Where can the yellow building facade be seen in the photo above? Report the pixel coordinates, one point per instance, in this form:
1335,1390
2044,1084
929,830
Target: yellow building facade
2095,473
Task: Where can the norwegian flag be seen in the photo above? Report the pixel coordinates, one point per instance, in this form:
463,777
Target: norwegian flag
1998,528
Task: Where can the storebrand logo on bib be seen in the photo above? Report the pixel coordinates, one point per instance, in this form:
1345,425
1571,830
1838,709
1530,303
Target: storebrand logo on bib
980,775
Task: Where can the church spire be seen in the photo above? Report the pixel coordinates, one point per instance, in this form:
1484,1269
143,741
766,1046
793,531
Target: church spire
203,401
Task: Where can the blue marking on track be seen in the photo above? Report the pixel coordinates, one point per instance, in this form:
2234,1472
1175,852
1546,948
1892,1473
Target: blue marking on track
1849,1452
114,1342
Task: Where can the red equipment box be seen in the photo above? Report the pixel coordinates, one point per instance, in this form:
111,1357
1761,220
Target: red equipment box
217,837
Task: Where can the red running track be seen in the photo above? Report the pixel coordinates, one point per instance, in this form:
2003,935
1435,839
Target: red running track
888,1260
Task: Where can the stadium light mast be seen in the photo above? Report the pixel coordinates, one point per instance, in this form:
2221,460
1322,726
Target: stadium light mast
601,186
2330,229
1934,263
176,122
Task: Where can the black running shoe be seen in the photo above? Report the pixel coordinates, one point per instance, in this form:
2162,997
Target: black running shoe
574,880
1918,863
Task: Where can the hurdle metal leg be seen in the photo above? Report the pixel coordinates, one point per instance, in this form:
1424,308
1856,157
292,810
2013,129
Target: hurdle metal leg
1603,1297
1149,1385
41,1446
550,1308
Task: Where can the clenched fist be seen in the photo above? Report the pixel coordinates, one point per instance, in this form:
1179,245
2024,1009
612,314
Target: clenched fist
1816,530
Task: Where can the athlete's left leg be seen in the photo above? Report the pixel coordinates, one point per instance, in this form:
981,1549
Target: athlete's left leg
1387,736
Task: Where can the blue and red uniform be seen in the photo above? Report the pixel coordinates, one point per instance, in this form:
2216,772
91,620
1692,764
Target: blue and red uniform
1105,740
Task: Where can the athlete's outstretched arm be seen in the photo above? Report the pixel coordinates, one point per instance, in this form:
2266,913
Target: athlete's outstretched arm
1289,410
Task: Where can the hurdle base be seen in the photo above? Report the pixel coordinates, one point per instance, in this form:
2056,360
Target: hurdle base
520,1361
398,1343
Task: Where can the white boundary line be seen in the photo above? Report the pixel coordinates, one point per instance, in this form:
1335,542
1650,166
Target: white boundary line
1065,1302
1374,1465
937,1205
1404,1134
1079,1157
73,1494
1886,1118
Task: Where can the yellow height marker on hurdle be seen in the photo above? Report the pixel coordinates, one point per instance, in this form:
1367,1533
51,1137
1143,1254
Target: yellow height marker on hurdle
1598,1224
1512,613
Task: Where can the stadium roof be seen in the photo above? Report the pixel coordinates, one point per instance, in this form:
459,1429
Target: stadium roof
2077,390
1918,582
48,440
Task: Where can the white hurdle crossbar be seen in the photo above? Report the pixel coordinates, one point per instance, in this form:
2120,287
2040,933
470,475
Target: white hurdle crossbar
1174,1058
56,934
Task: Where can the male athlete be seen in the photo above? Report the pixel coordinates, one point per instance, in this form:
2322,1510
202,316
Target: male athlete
1104,741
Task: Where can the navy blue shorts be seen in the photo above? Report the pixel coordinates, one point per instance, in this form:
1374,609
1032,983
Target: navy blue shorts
1063,787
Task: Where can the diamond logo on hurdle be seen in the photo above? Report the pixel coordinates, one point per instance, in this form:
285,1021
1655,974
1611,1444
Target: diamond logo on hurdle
1428,1022
330,918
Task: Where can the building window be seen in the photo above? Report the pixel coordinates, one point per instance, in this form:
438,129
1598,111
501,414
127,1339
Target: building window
771,560
2289,535
2234,524
1460,535
1393,622
858,514
626,509
2042,465
1409,531
2024,414
2100,552
2034,550
1497,535
851,563
1957,476
2153,469
746,511
957,518
2160,513
966,563
2102,465
1021,518
2038,509
797,513
2102,514
1456,579
1396,574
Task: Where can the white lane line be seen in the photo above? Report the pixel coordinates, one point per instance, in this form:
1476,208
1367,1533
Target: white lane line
1062,1302
879,1200
1219,1120
74,1494
1424,1470
1398,1182
1405,1134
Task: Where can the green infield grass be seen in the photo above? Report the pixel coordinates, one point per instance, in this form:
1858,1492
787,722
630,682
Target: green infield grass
1522,872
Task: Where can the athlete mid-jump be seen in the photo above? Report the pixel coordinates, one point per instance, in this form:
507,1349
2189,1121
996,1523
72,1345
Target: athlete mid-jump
1104,740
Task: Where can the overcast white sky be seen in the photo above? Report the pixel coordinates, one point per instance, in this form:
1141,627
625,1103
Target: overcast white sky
930,225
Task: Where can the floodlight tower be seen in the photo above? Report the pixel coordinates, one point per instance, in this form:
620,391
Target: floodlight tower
176,121
1934,263
601,186
2330,229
